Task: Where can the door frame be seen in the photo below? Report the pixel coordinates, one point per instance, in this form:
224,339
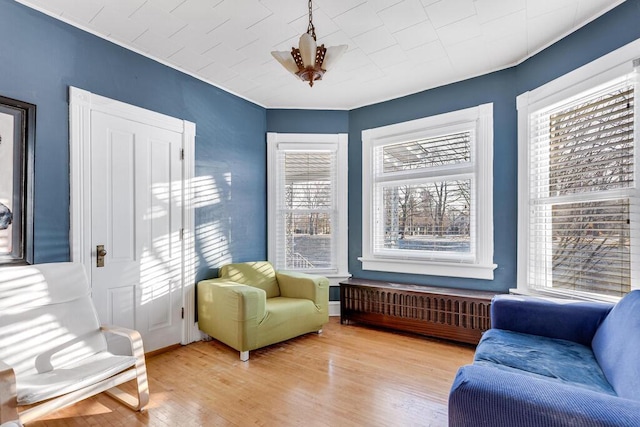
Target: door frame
81,104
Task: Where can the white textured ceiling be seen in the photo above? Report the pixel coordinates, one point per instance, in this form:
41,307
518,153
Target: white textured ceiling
396,47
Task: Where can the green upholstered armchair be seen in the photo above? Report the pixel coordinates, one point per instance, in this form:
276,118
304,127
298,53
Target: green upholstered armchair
251,305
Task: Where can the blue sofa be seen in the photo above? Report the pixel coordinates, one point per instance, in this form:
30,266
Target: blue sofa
553,363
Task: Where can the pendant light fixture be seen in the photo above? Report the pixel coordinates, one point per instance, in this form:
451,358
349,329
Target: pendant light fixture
309,61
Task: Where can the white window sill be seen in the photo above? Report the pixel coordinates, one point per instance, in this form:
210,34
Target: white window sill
447,269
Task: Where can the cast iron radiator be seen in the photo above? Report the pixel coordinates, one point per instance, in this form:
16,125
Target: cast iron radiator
454,314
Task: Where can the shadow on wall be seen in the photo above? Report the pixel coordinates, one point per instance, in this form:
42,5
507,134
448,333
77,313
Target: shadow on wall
212,199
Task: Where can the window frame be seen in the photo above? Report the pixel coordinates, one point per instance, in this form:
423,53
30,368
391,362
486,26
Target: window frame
312,142
608,68
479,118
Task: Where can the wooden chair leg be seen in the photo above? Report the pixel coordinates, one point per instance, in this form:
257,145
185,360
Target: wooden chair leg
142,381
138,402
8,397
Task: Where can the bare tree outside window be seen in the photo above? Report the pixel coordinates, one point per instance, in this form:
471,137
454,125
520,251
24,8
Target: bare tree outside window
431,216
308,209
590,153
307,203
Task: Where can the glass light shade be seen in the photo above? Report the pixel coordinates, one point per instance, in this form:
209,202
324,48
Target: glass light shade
286,60
308,50
332,56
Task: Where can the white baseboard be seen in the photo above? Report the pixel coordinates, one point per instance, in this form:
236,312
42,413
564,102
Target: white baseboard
334,308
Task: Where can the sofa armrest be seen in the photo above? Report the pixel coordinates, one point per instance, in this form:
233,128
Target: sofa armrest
549,317
8,396
302,285
486,396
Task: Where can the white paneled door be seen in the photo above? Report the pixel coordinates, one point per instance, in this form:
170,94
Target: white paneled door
128,216
136,225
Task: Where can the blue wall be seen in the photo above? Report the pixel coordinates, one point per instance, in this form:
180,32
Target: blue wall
307,121
611,31
40,57
498,88
615,29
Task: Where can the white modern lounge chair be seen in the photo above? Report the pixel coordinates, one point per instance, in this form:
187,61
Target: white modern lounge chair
53,351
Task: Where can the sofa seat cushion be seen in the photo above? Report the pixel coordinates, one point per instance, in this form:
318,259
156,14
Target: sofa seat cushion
287,318
556,359
46,385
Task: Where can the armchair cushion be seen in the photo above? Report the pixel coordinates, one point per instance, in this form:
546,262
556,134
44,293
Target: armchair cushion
54,383
287,318
258,274
32,311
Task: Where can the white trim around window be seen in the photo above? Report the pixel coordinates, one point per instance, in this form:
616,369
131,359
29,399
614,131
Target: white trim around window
475,172
534,277
337,208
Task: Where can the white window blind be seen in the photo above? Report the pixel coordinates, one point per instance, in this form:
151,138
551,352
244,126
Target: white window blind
306,209
448,149
583,199
307,203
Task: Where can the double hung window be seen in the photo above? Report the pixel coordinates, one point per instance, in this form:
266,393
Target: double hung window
307,202
579,207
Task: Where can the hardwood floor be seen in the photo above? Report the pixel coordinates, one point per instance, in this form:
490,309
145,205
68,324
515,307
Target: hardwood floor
347,376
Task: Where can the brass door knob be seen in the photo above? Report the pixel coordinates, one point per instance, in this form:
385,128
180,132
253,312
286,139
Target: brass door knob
101,252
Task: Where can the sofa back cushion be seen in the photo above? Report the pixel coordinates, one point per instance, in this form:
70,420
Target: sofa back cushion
47,317
616,346
257,274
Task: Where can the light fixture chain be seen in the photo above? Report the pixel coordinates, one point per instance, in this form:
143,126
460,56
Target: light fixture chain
311,29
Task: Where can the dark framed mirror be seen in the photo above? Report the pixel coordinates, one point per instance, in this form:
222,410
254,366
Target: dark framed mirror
17,141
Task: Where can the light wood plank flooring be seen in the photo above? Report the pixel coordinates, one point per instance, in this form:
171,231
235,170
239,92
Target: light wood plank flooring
347,376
